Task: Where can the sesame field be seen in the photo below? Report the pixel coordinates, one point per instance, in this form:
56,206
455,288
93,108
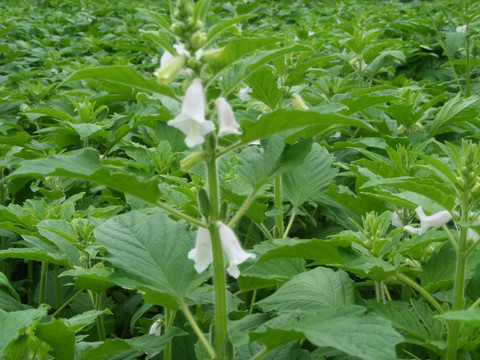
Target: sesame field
239,180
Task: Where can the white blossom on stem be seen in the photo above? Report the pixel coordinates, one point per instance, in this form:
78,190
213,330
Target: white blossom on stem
191,120
156,328
202,253
461,29
243,93
434,220
232,248
226,119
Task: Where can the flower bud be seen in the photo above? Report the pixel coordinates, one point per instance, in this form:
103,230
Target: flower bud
198,39
191,160
212,55
298,102
226,118
167,73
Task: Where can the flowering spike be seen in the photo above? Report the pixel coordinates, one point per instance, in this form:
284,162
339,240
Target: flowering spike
191,120
232,248
226,118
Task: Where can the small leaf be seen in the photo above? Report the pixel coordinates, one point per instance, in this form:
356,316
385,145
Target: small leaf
469,316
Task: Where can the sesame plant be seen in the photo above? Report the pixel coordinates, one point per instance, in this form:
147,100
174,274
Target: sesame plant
239,180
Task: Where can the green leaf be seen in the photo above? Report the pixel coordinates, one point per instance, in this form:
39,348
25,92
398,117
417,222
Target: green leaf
281,120
9,303
469,316
264,87
4,282
348,329
220,27
37,255
60,338
235,49
91,279
311,178
121,77
103,350
85,164
312,290
453,41
151,344
78,322
160,20
15,323
244,68
452,111
149,252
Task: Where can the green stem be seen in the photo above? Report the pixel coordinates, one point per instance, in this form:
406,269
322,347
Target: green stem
59,310
43,282
99,320
252,302
458,291
260,354
277,186
180,214
58,287
226,150
292,217
475,304
265,231
450,237
467,65
244,207
31,292
405,279
169,317
219,280
196,328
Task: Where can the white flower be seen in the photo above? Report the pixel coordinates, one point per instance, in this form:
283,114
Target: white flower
243,93
434,220
166,57
226,118
156,328
396,221
461,29
202,253
310,33
191,120
232,248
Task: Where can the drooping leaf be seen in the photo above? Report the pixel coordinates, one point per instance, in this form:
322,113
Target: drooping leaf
311,178
60,338
149,252
312,290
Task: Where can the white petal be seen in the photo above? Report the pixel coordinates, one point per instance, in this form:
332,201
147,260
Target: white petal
412,230
434,220
156,328
202,252
166,57
461,29
396,221
243,93
181,49
232,248
194,101
226,118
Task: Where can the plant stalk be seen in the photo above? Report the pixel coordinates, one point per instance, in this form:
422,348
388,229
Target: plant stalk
43,282
100,326
405,279
219,280
277,186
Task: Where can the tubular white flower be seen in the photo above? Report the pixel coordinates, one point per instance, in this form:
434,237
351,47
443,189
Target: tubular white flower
232,248
434,220
461,29
226,118
396,221
202,252
191,120
412,230
243,93
156,328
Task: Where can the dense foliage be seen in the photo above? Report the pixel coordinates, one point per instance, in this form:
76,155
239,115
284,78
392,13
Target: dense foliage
357,119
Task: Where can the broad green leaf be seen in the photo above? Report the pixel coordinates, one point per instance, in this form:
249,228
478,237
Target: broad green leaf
149,252
9,303
5,283
322,251
235,49
102,350
347,329
359,103
452,111
151,344
78,322
85,164
244,68
281,120
312,290
92,279
438,192
310,179
159,19
264,87
160,38
453,41
36,254
220,27
270,273
123,77
469,316
365,265
60,338
15,323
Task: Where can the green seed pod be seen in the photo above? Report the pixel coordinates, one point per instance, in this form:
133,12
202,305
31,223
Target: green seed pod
203,203
191,160
223,211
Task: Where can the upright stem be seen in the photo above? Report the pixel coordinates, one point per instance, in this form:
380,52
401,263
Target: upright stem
169,317
219,281
58,287
458,291
43,282
99,320
467,65
277,187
